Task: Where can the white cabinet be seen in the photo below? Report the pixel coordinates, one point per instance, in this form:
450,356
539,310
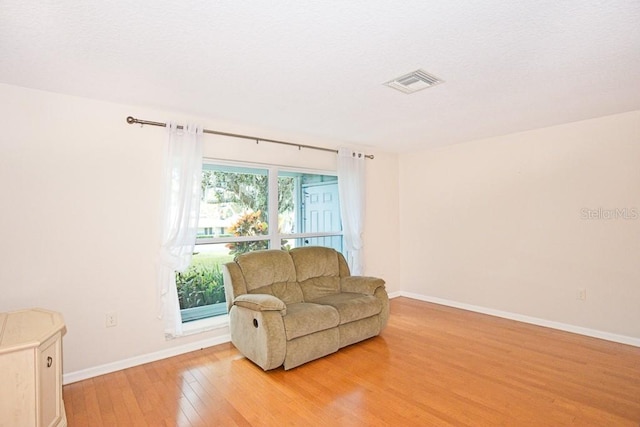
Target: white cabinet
31,369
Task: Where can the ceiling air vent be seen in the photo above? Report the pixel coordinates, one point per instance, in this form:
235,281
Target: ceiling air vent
414,81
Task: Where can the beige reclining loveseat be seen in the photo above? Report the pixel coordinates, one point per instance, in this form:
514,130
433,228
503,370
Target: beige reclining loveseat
291,307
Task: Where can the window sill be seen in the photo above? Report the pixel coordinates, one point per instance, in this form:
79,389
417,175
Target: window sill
203,312
204,325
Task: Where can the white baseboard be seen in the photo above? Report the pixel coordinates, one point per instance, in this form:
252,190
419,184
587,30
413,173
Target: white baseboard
72,377
623,339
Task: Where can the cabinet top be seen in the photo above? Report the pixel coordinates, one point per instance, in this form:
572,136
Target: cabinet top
28,328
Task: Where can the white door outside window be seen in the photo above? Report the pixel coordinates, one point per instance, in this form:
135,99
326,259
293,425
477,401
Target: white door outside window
321,213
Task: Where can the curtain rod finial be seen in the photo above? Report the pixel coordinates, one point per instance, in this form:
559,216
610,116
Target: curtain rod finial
131,120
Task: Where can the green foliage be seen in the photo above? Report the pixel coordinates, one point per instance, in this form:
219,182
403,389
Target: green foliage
248,190
286,188
200,285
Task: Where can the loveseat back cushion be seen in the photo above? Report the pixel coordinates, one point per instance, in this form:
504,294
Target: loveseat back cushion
315,261
270,272
317,270
317,287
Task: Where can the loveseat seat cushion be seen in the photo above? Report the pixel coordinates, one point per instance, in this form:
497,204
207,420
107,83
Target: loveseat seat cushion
270,272
306,318
351,306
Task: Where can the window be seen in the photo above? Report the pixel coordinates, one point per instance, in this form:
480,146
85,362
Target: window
246,208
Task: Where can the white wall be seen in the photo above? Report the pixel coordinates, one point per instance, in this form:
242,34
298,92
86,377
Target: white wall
498,223
79,219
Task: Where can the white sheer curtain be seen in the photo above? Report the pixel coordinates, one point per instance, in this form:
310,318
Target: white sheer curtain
181,206
351,188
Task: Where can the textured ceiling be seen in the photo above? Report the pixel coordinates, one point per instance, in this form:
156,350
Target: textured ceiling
318,68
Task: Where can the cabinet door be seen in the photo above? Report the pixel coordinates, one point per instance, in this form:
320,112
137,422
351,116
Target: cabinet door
18,388
49,382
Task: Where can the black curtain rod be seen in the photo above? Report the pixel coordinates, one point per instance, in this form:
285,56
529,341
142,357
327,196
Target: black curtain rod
133,120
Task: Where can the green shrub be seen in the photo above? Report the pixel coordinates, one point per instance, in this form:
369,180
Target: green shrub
200,285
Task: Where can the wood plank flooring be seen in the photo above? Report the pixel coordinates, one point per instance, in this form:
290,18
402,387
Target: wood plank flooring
432,366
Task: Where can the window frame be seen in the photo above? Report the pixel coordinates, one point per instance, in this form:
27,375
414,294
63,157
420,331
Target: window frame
272,205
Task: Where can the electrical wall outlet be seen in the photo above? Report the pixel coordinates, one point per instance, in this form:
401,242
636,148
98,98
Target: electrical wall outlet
581,294
111,319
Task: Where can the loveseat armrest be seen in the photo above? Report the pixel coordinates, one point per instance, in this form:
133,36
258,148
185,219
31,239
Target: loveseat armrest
260,302
361,284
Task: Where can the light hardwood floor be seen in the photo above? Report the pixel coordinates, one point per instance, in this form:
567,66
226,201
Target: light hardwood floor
432,366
